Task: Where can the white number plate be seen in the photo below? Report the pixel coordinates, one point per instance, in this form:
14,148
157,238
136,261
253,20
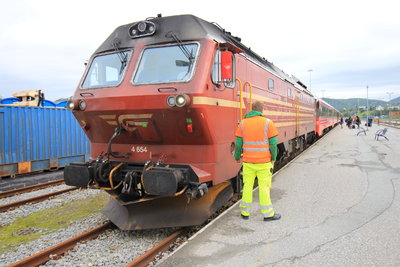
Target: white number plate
139,149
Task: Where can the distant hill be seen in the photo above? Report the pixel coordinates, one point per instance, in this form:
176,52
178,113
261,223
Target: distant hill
395,101
341,104
61,100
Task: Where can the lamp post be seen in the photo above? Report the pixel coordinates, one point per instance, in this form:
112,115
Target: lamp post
380,108
322,92
390,95
390,98
310,70
388,103
367,110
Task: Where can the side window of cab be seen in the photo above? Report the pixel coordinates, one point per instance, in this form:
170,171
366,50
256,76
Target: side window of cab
270,84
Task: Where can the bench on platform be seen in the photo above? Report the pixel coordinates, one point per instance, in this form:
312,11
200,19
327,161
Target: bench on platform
362,130
381,133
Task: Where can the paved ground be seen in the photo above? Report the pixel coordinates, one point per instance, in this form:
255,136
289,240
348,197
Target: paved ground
340,206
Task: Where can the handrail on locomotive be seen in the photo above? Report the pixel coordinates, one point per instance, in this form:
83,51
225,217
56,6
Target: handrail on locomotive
240,98
251,94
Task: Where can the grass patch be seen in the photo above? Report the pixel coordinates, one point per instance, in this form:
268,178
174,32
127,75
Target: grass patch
40,223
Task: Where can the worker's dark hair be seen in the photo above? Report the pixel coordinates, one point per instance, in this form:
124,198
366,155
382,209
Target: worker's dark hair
258,106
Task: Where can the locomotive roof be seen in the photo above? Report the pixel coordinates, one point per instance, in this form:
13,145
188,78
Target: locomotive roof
190,28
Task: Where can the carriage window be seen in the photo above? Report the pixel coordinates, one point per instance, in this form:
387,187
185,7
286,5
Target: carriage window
270,84
106,70
166,64
289,92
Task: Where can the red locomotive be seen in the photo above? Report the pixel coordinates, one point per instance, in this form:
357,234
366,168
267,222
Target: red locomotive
160,101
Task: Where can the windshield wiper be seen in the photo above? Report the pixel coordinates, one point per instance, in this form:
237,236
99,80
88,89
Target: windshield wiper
188,54
123,55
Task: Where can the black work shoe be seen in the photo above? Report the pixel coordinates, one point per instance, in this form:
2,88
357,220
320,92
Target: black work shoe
276,216
244,217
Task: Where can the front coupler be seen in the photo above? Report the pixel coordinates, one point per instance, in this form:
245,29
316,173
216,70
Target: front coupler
134,181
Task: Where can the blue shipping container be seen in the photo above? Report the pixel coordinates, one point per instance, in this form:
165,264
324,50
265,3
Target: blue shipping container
39,138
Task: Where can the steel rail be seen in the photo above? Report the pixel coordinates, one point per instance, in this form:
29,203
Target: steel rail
36,199
13,192
59,249
393,125
147,257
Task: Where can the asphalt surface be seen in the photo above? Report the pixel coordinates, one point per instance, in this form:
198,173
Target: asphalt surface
340,206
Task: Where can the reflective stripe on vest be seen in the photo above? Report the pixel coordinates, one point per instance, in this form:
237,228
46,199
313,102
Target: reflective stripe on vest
257,143
255,149
255,140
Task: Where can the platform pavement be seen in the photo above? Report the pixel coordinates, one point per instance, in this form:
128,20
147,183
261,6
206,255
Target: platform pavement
340,206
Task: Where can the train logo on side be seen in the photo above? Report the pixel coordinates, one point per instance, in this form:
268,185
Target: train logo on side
130,121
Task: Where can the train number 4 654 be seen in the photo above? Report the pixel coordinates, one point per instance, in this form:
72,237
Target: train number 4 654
139,149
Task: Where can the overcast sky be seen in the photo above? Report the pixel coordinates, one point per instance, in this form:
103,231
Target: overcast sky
347,44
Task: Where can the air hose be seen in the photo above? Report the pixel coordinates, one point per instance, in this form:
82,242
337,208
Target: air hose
117,132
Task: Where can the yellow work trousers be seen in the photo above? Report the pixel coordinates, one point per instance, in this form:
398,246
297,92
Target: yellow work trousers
263,172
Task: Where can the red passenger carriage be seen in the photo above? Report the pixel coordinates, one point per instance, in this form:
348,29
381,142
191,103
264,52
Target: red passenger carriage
327,117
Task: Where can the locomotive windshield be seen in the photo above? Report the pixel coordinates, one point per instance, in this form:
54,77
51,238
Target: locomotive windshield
106,70
166,64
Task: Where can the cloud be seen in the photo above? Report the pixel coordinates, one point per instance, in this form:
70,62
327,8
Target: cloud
348,44
379,80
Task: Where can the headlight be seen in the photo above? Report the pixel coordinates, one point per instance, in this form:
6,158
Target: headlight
82,105
171,101
182,100
142,26
70,104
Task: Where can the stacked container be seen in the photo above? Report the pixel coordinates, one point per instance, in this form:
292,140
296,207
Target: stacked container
39,138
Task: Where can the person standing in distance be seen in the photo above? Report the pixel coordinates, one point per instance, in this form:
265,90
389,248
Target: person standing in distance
256,138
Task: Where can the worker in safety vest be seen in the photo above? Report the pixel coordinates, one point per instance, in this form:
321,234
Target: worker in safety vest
256,137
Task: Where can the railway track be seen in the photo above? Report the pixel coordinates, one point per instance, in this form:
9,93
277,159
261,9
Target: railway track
150,254
31,188
58,250
391,124
32,200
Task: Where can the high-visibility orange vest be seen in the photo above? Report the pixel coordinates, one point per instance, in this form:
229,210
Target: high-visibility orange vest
256,132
